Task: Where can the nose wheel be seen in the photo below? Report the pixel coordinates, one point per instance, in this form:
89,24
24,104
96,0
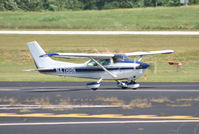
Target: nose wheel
133,85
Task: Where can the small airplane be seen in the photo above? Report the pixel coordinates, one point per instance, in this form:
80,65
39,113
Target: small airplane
100,66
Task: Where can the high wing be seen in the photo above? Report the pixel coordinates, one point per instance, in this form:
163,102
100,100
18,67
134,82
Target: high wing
103,56
149,53
79,55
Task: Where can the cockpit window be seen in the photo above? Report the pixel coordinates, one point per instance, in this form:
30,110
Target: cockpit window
103,62
120,57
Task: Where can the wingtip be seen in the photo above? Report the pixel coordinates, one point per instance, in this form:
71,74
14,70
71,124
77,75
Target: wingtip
172,51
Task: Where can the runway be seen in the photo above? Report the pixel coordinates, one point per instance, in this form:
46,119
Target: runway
68,107
103,32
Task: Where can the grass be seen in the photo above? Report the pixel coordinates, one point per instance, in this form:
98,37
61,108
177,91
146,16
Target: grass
63,104
15,56
178,105
188,99
161,18
112,100
160,100
138,103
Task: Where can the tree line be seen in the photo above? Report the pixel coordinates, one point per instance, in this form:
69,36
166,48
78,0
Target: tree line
59,5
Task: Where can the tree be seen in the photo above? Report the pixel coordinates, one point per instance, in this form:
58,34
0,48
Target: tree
90,4
173,3
194,1
29,5
8,5
73,4
55,5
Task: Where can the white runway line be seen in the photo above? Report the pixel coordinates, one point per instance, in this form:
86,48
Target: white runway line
105,32
147,90
99,122
19,107
10,89
102,90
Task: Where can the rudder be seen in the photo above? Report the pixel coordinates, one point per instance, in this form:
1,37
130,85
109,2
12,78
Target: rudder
36,51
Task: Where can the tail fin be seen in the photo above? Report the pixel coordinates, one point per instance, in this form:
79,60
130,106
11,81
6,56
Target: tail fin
36,51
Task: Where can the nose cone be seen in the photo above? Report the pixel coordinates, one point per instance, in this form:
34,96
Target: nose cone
145,65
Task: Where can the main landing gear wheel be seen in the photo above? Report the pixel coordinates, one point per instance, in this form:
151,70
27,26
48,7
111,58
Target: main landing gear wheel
125,84
133,85
93,85
122,84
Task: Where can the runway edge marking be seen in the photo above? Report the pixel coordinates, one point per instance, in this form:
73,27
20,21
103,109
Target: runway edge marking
108,116
98,122
104,32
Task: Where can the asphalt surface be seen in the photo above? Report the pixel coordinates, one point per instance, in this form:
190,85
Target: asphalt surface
67,107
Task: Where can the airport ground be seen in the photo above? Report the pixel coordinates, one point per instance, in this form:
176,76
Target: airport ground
69,107
136,19
15,56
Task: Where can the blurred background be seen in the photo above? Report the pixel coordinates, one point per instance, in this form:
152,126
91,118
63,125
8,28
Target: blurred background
101,15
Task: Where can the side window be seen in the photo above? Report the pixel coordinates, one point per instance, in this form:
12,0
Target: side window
103,62
107,62
92,63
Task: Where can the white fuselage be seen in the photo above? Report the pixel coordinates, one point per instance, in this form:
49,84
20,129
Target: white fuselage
129,71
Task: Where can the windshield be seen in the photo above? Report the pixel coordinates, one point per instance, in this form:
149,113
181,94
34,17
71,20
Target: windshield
120,57
103,62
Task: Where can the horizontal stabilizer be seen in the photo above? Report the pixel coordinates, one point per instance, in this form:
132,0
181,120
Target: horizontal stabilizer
43,69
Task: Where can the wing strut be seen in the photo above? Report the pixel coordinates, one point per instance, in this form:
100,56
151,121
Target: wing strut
140,58
113,75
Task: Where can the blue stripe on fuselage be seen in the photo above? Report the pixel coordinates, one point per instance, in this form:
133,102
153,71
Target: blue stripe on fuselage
90,69
100,69
94,69
110,69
